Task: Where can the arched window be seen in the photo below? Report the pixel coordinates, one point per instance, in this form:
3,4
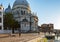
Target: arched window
25,24
0,8
0,27
22,13
0,13
0,20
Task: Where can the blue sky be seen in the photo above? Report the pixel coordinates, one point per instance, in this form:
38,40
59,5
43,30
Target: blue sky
48,11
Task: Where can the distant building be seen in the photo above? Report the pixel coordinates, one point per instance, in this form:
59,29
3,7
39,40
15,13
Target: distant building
47,27
56,31
39,28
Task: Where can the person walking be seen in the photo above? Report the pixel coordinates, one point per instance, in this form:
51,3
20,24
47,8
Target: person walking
57,36
19,32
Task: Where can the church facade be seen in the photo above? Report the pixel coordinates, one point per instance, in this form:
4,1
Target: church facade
22,13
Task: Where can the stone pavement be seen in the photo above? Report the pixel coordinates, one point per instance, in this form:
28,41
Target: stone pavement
4,35
23,38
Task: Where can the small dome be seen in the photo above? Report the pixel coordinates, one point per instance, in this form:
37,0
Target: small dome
8,10
20,2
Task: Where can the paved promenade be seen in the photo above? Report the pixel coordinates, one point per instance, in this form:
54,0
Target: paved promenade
22,38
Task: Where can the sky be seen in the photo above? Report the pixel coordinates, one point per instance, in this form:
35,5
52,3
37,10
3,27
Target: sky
48,11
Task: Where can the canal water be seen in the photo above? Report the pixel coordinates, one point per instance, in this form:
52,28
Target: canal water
57,39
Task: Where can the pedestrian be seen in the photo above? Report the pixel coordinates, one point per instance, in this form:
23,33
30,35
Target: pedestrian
57,36
19,32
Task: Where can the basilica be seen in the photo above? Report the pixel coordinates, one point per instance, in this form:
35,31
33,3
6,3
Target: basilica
22,13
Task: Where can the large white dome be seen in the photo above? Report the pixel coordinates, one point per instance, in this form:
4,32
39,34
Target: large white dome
21,2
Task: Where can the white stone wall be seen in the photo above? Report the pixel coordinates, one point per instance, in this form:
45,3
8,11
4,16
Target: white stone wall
25,27
1,16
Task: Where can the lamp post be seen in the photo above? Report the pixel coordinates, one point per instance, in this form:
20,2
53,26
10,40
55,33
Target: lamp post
20,23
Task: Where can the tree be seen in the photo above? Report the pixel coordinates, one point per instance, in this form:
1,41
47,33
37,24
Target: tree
10,22
15,26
